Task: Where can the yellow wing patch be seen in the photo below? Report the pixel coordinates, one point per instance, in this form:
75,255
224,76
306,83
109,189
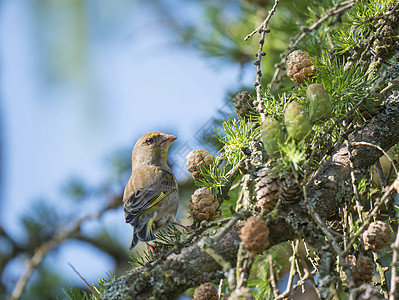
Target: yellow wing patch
153,206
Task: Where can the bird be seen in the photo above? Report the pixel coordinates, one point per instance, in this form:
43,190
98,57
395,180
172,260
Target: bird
151,196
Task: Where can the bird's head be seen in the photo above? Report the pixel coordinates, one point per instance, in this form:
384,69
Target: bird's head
152,148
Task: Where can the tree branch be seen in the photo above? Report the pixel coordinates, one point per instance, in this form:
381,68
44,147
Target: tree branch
326,191
178,272
43,250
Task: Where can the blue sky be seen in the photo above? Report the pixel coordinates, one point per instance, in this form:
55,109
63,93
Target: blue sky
63,120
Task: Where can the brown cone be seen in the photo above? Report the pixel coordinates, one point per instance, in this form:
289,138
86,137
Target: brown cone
376,236
362,269
203,206
254,235
205,291
299,66
290,190
198,160
267,190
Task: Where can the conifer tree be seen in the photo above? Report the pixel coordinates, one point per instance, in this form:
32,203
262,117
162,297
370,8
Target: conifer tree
297,185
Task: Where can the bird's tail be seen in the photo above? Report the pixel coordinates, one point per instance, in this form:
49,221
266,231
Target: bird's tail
143,234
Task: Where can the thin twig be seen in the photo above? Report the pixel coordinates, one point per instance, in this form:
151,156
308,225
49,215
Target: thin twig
220,289
97,295
262,29
312,261
381,271
265,22
359,206
292,272
276,291
236,185
389,86
299,272
345,229
307,276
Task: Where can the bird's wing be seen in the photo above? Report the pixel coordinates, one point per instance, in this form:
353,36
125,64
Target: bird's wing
146,188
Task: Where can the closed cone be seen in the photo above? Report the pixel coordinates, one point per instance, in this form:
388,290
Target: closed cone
198,160
290,190
362,269
203,206
297,121
254,235
299,66
273,135
205,291
319,101
376,236
267,190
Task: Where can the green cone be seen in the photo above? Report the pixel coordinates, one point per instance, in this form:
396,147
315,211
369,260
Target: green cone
273,135
320,107
297,121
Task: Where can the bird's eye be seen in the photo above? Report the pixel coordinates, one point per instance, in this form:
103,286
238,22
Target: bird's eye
150,141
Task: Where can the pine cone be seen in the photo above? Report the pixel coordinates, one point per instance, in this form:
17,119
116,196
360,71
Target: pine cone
270,188
290,190
376,236
203,206
297,121
243,105
267,190
205,291
242,293
254,235
198,160
320,107
299,66
362,269
273,135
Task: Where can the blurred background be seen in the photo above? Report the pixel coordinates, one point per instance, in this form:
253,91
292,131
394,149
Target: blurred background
80,82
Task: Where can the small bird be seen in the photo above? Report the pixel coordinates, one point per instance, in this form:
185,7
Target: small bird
151,196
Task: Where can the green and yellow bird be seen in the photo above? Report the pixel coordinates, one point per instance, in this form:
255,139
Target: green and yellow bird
151,196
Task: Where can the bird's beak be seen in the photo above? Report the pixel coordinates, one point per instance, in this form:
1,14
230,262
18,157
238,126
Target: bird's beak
167,139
